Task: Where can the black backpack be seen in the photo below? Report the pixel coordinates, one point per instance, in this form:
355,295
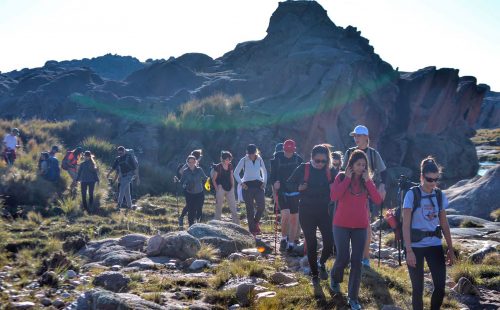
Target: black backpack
371,151
417,197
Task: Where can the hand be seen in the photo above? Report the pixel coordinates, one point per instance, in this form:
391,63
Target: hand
218,188
411,260
302,187
366,176
277,185
244,186
450,256
348,172
381,191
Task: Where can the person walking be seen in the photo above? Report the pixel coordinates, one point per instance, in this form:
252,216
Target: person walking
126,169
10,144
192,181
424,224
351,190
253,185
223,182
88,176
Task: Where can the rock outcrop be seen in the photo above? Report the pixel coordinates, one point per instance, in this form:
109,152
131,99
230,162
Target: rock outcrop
490,111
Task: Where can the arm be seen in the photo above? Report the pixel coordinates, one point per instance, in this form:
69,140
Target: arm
407,214
214,179
232,179
338,188
79,173
344,162
372,191
273,176
443,221
113,168
238,169
264,171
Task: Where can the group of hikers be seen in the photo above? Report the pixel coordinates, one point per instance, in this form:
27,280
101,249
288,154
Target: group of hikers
329,192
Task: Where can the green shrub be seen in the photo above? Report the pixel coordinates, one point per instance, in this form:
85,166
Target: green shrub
217,105
495,215
102,149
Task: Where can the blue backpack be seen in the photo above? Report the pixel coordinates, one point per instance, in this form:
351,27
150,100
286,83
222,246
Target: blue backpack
53,171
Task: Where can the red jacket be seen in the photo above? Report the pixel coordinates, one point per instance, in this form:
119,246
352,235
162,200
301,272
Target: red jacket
352,210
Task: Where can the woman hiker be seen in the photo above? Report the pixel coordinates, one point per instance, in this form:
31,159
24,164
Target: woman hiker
87,176
192,181
223,182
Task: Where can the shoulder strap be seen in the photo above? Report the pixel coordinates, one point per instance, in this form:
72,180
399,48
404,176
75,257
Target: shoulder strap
329,174
307,171
372,156
417,196
439,198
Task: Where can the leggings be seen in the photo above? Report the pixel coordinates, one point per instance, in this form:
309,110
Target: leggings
194,205
310,222
434,256
345,237
90,186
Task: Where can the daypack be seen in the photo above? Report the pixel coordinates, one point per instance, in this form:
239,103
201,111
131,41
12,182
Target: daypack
44,158
417,197
372,155
130,163
133,157
278,160
67,162
307,172
53,172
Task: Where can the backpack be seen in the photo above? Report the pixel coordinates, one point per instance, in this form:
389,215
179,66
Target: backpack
372,155
278,161
417,197
66,162
44,157
307,173
131,155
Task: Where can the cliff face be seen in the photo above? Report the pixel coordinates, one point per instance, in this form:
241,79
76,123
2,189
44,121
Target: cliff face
307,79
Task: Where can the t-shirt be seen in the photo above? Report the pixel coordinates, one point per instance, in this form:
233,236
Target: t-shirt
224,176
425,217
10,141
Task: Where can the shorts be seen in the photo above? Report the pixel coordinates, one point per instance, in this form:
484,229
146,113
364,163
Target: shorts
289,203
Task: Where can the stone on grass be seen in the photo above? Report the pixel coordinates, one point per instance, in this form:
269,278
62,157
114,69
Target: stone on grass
112,281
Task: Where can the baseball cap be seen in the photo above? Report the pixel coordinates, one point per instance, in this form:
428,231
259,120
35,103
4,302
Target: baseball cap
359,130
278,148
289,146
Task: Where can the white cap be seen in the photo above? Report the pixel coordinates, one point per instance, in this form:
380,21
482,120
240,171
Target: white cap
359,130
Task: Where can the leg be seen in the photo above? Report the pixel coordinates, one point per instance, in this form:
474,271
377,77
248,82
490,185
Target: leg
83,188
293,203
128,198
190,207
325,228
185,209
417,280
285,219
219,201
366,253
437,265
91,194
199,206
248,197
260,202
358,239
342,240
308,223
231,201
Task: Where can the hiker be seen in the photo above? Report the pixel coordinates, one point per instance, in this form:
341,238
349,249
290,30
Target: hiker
312,180
377,167
53,172
337,158
43,164
10,144
192,181
351,190
198,154
424,224
223,182
282,166
126,168
253,186
88,176
70,164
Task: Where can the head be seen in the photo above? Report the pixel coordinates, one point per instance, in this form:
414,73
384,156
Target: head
289,148
14,132
78,151
226,157
321,156
120,150
252,151
361,136
198,154
358,162
44,155
430,172
54,149
278,148
337,159
191,161
87,155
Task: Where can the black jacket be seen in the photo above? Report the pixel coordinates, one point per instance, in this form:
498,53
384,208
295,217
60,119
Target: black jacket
87,173
282,167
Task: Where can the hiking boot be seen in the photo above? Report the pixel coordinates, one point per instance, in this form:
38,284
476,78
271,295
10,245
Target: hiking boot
283,245
366,263
290,248
181,222
355,305
334,287
257,229
323,273
318,292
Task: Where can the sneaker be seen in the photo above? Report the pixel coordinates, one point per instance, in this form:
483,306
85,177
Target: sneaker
334,287
181,221
283,245
316,286
366,262
323,273
355,305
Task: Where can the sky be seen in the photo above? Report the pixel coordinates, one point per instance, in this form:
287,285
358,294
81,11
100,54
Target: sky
409,34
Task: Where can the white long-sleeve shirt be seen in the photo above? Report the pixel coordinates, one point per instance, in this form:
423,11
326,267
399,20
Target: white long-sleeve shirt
252,170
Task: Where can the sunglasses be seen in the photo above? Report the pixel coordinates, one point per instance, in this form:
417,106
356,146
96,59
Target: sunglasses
431,180
321,161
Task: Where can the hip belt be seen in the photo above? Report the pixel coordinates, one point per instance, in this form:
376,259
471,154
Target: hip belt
417,235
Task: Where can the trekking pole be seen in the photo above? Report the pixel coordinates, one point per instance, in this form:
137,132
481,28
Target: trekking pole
381,218
400,237
177,196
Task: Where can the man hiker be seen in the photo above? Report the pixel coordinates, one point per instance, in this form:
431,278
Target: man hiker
10,144
282,166
53,172
126,168
377,167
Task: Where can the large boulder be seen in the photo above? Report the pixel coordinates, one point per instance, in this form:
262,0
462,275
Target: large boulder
106,300
179,245
112,281
109,251
478,196
133,241
225,236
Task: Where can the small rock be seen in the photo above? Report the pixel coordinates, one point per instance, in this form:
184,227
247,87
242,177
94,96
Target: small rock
269,294
71,274
282,278
58,303
22,305
65,295
233,307
236,256
112,281
116,268
199,264
244,290
46,302
465,287
49,278
478,256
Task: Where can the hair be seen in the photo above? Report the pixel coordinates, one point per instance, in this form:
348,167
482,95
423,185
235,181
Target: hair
91,156
44,155
190,157
120,149
325,150
429,165
197,154
353,158
226,155
257,151
338,155
77,151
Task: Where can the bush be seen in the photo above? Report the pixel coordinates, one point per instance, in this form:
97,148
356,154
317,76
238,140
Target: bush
495,215
217,105
103,150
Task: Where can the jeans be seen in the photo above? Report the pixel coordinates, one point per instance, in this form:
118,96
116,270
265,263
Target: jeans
90,187
255,203
356,237
124,193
